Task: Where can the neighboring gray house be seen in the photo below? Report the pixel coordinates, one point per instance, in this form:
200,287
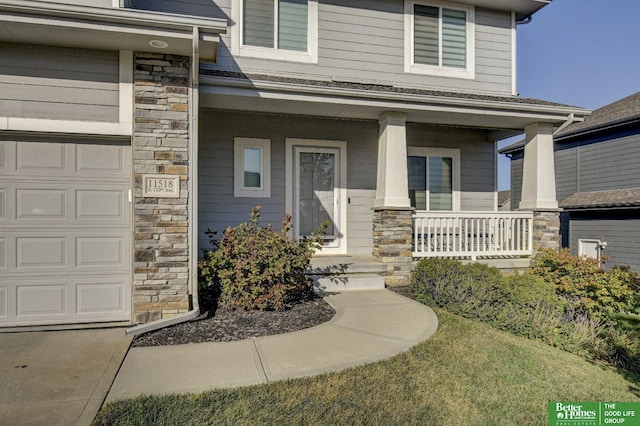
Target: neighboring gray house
127,128
597,182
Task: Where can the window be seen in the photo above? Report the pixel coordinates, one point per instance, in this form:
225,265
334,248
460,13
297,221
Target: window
439,39
276,29
252,167
434,178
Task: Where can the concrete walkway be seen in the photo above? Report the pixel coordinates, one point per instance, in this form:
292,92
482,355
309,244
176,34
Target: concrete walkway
368,326
57,377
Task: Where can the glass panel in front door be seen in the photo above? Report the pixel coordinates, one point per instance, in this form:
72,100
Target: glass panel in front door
315,198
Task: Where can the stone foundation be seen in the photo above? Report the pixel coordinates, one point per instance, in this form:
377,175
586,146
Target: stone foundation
160,146
392,243
546,230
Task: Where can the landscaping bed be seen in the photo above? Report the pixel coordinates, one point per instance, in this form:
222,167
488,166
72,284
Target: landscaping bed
224,324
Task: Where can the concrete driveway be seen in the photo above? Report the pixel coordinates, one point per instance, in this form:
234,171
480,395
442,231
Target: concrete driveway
58,377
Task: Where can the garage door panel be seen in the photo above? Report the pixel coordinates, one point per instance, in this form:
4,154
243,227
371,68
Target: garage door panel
3,253
101,297
41,252
104,159
101,204
41,158
35,300
3,302
100,252
3,204
41,203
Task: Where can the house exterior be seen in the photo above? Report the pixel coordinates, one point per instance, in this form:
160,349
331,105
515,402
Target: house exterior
128,128
597,182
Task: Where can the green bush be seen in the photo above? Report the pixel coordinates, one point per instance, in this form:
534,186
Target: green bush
257,267
588,286
525,305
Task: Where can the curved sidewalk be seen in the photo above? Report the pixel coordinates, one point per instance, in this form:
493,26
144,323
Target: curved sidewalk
368,326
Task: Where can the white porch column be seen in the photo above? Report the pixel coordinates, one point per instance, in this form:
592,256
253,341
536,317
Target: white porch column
538,169
392,188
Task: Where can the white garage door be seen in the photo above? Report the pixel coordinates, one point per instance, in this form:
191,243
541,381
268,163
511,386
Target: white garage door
64,232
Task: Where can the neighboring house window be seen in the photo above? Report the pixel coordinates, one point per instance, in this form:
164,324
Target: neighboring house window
434,178
439,39
276,29
252,167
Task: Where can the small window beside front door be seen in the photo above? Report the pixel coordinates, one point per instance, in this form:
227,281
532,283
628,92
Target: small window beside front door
252,168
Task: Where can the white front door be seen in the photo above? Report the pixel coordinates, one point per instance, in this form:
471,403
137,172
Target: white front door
317,193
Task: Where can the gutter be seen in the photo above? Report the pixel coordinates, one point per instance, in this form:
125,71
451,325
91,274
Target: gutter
192,236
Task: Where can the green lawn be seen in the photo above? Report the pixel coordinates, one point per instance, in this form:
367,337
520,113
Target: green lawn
467,374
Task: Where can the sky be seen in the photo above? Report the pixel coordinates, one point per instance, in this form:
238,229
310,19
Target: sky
578,52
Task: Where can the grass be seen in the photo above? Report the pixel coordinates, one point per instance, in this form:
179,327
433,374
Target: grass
467,374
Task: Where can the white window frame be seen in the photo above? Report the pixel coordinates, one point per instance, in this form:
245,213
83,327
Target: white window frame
419,151
411,67
239,145
239,49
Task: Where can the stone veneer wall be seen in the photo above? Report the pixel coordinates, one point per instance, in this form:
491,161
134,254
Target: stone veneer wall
160,146
392,243
546,230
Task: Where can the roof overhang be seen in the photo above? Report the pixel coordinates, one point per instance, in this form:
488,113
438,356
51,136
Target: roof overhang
81,26
506,118
523,8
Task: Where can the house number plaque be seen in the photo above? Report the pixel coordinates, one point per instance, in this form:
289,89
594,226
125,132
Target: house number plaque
161,186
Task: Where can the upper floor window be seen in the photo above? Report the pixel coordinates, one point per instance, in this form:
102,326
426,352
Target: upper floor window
439,39
276,29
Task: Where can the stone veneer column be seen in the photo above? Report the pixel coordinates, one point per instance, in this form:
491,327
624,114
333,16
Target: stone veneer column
546,229
392,242
160,146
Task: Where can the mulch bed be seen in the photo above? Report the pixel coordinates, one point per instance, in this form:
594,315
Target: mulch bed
225,325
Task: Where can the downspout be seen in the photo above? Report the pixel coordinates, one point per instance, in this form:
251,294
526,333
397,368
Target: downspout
192,187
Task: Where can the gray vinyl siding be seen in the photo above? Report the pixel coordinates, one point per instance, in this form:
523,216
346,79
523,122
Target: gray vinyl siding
366,44
621,231
611,164
516,181
218,208
58,83
566,163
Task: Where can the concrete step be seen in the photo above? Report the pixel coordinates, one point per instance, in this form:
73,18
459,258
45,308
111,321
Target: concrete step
347,282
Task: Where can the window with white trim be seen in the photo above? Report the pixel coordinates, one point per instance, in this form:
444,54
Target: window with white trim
439,39
434,178
276,29
252,167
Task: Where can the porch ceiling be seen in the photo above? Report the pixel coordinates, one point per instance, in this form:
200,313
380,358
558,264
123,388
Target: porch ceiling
505,117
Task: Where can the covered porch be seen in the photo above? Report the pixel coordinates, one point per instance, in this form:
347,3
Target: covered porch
383,133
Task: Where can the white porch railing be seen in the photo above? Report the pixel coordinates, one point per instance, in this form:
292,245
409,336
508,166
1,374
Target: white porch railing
472,234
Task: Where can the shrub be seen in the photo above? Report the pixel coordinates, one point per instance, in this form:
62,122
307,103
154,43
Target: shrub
588,286
259,268
525,305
